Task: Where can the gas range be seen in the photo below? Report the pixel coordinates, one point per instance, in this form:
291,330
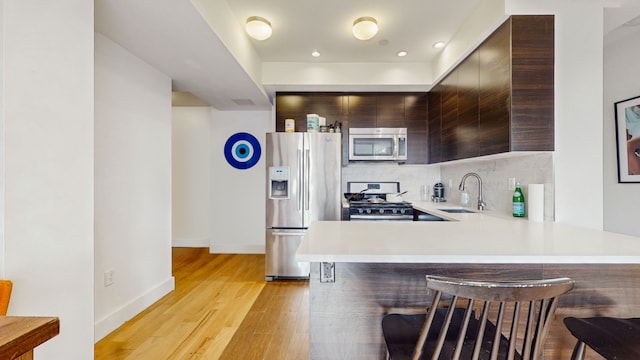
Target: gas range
366,210
374,207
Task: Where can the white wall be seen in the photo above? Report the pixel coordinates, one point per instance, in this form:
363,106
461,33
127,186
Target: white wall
485,20
191,181
578,106
48,168
2,253
222,20
238,196
132,185
621,82
350,76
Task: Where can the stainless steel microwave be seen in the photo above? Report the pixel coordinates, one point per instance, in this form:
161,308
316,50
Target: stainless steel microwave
378,144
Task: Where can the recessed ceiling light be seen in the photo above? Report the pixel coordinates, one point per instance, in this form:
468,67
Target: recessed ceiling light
258,28
365,28
438,45
402,53
315,54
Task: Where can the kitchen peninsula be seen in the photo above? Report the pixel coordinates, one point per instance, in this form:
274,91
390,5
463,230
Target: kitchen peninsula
380,268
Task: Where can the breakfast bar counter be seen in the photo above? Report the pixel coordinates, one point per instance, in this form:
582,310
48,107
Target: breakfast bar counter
476,239
373,268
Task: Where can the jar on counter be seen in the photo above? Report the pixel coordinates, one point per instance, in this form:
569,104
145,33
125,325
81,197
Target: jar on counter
312,122
289,125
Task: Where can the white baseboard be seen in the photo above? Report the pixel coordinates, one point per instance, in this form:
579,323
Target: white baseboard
193,243
236,249
114,320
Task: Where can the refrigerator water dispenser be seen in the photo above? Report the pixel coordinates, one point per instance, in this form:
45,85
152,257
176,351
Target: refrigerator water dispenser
279,182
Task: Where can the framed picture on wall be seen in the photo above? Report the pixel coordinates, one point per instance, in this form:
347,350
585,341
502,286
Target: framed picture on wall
628,139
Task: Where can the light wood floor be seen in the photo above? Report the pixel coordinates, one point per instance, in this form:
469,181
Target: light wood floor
221,309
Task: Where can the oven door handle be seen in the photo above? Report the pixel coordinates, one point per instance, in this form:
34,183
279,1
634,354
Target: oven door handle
381,217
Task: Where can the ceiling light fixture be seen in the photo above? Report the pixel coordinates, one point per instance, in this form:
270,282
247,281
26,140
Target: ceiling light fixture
315,54
439,45
365,28
402,53
258,28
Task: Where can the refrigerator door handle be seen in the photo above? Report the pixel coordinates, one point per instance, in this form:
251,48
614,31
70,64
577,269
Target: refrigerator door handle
306,181
300,185
288,233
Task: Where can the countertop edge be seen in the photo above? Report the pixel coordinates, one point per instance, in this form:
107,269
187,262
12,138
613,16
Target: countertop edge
476,259
474,238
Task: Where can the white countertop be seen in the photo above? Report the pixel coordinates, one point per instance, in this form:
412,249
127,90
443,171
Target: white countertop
470,238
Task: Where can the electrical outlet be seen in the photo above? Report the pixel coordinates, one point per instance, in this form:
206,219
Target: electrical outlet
327,272
511,183
108,278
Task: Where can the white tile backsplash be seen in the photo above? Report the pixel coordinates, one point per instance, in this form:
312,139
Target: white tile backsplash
409,176
495,171
526,168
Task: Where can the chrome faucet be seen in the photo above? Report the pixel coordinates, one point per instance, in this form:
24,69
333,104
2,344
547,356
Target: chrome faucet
481,204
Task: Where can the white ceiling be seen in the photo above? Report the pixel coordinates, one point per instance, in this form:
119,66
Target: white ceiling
302,26
172,36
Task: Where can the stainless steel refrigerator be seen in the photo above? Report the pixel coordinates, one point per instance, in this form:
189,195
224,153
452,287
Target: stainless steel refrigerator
303,185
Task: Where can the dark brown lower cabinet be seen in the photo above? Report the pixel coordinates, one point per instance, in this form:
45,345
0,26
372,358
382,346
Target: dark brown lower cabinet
345,315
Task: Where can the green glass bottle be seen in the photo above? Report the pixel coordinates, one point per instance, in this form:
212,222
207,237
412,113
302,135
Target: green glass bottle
518,202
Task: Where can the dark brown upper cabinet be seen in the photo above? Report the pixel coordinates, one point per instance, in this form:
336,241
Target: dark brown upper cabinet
416,122
434,125
532,86
449,116
390,111
468,108
297,105
495,92
361,110
499,98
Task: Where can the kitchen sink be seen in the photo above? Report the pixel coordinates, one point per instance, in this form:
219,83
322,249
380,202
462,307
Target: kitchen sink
457,211
423,216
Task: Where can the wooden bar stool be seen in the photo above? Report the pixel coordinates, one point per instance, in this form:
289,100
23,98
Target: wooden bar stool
613,338
511,323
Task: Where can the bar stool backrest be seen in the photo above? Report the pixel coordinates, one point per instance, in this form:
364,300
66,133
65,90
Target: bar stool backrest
513,317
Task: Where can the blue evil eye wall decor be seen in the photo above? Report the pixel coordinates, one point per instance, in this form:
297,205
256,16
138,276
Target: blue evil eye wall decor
242,150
